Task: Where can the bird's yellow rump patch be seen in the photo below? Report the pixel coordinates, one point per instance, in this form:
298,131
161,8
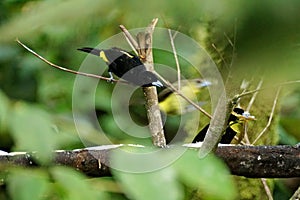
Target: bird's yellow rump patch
103,56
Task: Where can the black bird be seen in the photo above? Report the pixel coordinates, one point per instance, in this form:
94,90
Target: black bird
125,65
234,126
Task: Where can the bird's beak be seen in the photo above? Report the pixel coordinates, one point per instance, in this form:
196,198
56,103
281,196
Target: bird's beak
157,83
205,83
247,117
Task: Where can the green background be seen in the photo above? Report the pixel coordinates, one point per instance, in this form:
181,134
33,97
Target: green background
36,100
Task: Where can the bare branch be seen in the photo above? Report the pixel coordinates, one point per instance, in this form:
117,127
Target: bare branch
131,41
266,88
175,57
220,54
267,188
65,69
254,95
129,36
270,118
245,134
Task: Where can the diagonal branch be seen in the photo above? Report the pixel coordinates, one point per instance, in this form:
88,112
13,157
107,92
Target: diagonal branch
131,41
175,57
66,69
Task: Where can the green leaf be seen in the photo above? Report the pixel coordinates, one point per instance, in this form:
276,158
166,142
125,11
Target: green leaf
209,174
32,130
161,184
73,185
143,172
27,184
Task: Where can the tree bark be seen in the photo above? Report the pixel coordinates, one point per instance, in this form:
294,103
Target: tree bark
248,161
143,46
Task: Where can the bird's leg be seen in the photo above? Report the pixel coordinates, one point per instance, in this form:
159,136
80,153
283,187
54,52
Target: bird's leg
111,77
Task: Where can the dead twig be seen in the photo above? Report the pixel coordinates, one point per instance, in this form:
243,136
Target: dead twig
267,188
248,109
266,88
131,41
66,69
175,57
270,118
254,95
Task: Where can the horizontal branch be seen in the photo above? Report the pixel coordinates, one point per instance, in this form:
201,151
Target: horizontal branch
262,161
248,161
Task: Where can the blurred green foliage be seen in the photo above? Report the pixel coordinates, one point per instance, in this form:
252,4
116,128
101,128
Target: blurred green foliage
185,172
56,183
251,39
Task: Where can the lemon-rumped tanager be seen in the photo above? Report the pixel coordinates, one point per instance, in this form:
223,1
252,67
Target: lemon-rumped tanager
172,103
125,65
235,126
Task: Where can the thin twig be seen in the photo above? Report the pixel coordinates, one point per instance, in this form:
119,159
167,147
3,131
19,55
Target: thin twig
270,118
254,95
168,84
229,40
248,109
267,188
131,41
232,43
175,34
175,57
288,83
263,180
245,134
266,88
244,86
220,54
152,25
131,45
65,69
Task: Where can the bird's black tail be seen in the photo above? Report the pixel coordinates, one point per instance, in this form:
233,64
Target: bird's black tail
90,50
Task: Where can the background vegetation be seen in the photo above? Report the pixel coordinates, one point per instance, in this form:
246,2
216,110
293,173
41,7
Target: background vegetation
36,100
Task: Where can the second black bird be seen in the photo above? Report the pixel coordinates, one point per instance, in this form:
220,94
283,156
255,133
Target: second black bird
235,124
125,65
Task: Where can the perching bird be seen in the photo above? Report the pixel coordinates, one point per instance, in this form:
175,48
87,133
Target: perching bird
125,65
235,124
173,104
